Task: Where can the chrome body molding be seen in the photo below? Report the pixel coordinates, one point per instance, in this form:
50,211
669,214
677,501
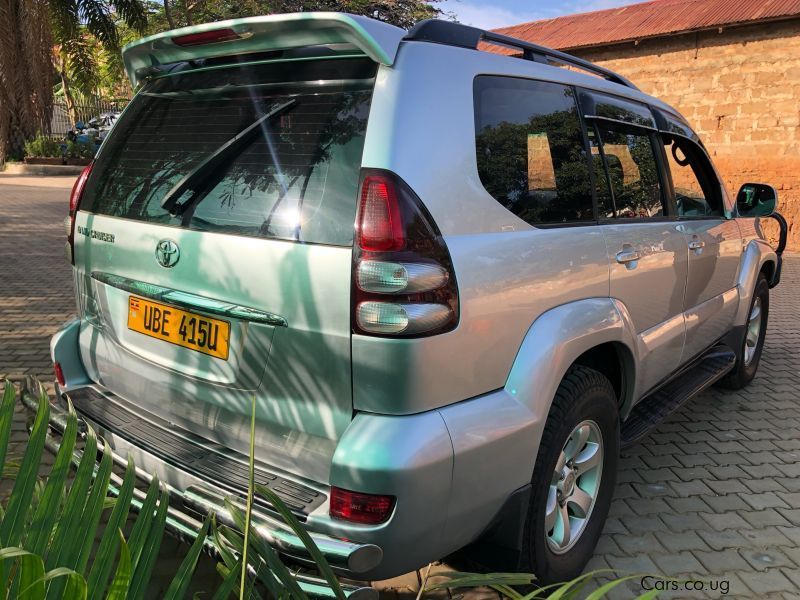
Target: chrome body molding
189,301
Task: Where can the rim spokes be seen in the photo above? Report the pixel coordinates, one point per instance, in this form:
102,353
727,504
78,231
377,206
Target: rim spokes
577,441
551,512
581,502
753,332
563,528
589,458
574,487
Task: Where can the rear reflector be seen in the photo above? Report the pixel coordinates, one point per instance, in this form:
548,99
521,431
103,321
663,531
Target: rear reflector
59,374
206,37
355,507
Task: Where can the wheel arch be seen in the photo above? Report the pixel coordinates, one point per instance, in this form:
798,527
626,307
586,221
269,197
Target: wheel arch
758,257
591,332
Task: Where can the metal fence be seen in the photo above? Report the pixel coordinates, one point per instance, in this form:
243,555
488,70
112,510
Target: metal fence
61,121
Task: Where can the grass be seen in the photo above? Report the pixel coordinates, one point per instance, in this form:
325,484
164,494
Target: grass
49,525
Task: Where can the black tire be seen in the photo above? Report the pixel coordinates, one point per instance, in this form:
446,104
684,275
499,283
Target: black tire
584,394
742,373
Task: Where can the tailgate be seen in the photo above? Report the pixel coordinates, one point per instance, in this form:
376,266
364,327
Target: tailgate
214,245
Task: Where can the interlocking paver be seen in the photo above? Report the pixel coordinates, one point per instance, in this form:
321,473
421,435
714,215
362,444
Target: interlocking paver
714,491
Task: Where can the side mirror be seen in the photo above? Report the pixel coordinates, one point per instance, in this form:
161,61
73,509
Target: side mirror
756,200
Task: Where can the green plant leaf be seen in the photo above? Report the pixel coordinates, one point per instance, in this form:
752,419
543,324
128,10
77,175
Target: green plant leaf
68,537
225,554
104,557
462,580
310,546
6,419
649,595
75,584
118,590
277,578
228,584
144,521
93,510
49,508
604,589
250,482
20,500
180,583
570,589
146,560
31,577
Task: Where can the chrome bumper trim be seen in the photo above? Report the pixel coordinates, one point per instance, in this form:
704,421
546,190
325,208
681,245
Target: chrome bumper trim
345,557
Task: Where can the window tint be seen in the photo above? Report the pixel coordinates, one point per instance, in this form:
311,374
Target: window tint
697,191
294,177
631,168
530,149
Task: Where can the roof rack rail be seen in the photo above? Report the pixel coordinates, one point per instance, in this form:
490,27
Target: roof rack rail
464,36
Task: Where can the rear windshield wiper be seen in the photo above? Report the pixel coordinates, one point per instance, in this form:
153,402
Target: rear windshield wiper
190,184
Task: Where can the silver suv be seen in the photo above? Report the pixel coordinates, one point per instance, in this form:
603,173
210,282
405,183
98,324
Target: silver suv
454,283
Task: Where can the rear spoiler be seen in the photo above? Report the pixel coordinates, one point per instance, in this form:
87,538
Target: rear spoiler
379,41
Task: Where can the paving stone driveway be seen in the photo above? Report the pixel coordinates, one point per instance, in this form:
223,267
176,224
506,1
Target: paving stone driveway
714,493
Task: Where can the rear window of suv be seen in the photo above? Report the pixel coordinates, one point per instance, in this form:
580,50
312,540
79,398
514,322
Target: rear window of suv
268,150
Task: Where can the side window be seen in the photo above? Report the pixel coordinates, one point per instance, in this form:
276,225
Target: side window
631,172
530,149
697,192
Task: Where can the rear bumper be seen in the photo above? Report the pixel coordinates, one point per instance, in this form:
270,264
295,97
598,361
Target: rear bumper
193,499
451,470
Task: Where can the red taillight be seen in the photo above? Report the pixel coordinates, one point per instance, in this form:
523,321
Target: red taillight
380,227
74,205
368,509
403,279
206,37
59,374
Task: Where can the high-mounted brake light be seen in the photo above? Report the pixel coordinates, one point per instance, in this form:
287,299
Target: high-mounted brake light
403,279
206,37
367,509
74,205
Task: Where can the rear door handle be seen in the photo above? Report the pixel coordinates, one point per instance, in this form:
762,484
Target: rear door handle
628,257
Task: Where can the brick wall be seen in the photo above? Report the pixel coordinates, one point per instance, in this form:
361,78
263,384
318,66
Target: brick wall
740,90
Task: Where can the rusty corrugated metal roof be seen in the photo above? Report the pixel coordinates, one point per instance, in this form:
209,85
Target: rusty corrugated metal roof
648,19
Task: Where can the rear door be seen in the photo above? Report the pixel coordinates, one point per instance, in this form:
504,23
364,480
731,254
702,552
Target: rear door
646,250
220,213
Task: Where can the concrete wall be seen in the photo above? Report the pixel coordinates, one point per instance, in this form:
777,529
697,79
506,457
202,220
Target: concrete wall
740,89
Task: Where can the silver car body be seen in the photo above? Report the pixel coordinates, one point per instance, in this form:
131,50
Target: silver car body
449,424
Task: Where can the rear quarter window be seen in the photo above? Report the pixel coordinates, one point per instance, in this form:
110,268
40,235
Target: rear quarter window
530,149
294,178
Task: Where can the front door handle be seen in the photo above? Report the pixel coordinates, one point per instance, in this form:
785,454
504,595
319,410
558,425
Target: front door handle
628,256
696,244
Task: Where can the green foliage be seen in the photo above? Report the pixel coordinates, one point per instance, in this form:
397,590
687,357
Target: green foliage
43,146
81,149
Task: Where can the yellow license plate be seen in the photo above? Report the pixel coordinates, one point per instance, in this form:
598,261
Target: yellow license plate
181,327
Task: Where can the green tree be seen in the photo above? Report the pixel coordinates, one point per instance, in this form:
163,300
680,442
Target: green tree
26,74
179,13
82,30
